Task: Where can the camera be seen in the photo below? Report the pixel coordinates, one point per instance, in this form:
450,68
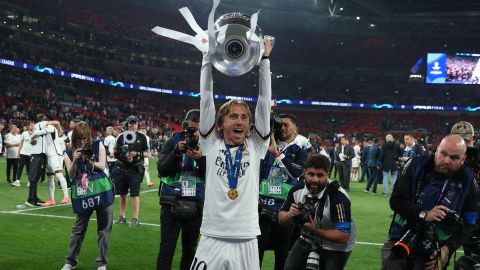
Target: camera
306,209
190,139
124,149
313,260
450,224
276,124
87,152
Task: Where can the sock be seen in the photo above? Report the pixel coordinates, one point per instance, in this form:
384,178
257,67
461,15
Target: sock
51,187
147,175
63,183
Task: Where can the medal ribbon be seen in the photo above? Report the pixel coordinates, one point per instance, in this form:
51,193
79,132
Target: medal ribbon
233,169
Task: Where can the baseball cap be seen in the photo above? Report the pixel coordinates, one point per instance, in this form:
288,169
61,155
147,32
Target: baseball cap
464,129
132,118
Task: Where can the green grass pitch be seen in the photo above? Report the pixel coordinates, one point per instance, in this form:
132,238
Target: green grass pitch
37,238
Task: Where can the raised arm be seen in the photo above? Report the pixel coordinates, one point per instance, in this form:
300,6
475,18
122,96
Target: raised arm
207,106
262,111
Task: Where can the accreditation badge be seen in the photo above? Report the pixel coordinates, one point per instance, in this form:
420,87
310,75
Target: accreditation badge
189,186
81,191
275,180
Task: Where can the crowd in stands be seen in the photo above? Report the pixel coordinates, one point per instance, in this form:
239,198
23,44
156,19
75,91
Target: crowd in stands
99,39
460,69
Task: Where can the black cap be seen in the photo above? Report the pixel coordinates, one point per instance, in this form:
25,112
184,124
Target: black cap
132,118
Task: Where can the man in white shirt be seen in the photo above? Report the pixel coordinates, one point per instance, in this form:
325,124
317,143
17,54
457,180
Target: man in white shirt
109,143
54,153
230,224
12,143
25,152
37,161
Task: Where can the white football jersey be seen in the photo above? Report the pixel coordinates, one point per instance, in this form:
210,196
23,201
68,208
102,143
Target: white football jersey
222,216
52,146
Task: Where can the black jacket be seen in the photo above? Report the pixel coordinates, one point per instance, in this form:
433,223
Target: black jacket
169,162
403,202
389,154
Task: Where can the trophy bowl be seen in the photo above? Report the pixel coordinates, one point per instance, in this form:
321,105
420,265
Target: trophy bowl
236,52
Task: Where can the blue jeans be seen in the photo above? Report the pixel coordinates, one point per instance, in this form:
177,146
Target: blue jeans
385,180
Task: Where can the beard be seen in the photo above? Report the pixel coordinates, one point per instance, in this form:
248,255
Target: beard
315,189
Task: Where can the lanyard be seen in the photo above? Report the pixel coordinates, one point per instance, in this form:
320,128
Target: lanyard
233,168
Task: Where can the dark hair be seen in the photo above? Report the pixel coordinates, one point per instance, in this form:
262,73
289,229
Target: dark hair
76,121
193,115
40,117
318,161
289,116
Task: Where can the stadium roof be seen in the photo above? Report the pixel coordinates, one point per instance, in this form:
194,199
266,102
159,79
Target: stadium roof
406,17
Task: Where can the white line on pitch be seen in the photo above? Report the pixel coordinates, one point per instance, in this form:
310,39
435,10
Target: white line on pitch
64,217
151,224
59,205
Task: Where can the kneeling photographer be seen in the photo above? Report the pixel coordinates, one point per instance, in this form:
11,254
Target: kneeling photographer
181,168
128,172
434,205
322,209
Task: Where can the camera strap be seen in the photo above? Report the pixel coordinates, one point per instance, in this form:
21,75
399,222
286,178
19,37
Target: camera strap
321,205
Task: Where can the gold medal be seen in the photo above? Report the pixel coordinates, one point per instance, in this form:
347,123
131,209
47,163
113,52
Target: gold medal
232,194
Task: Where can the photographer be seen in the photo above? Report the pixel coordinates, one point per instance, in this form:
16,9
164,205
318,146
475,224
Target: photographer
430,200
92,190
181,168
129,170
280,170
322,209
472,245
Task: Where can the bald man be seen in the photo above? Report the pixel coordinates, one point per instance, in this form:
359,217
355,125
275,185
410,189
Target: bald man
432,190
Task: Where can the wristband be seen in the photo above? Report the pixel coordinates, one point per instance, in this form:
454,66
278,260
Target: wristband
265,57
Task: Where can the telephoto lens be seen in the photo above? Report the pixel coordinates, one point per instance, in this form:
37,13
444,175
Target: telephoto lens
313,261
404,246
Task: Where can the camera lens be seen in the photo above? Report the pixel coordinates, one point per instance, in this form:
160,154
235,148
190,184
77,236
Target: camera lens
234,48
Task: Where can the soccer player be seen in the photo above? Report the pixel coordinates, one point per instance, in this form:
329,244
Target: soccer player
230,216
54,154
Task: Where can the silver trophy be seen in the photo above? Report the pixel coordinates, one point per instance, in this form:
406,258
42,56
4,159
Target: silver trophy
235,42
235,52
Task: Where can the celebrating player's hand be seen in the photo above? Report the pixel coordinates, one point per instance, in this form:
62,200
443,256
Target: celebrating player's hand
268,46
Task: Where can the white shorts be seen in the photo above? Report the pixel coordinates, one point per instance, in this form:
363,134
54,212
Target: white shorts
145,162
355,162
54,164
226,254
